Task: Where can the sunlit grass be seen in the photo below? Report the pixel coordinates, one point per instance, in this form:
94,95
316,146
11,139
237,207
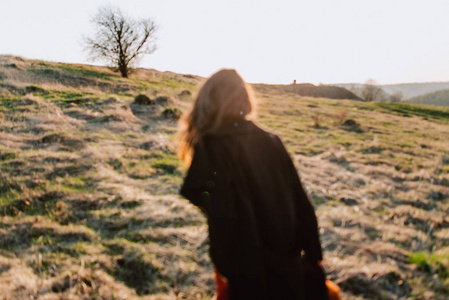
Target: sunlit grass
89,187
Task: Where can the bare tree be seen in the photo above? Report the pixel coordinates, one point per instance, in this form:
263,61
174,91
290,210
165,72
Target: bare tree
371,91
120,40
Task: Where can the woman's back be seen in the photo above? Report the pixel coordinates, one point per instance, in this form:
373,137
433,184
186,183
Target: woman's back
256,164
259,216
256,207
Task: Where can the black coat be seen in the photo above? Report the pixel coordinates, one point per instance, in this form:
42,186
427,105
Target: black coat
259,216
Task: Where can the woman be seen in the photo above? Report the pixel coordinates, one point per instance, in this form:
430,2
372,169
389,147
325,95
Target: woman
260,219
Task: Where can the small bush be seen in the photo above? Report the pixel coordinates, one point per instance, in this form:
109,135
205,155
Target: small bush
445,160
317,120
8,156
34,89
52,138
116,164
372,150
165,167
340,117
352,125
172,113
350,122
185,93
148,145
143,100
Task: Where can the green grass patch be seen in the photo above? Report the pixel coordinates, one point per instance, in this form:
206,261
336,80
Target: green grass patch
171,83
165,163
144,86
44,72
431,263
78,184
408,110
8,156
83,71
169,168
7,102
44,204
444,169
66,96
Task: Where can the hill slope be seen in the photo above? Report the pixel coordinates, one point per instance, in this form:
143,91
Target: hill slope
89,180
408,90
310,90
439,98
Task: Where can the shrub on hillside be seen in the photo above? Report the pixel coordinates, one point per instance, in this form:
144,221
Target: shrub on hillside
143,100
352,125
172,113
341,117
34,89
185,93
317,118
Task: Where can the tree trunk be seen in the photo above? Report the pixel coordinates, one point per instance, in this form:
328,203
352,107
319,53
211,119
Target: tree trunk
122,65
124,71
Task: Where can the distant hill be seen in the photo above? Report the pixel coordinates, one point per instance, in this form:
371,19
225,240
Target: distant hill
310,90
440,98
408,90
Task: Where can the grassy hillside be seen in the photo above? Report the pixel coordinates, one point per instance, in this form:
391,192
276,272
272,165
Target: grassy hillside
89,180
439,98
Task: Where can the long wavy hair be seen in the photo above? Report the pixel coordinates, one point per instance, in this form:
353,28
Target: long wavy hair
223,98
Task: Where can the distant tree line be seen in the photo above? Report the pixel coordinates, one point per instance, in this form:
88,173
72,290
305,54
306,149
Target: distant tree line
372,91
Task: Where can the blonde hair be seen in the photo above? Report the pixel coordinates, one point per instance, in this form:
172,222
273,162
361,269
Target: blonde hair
224,97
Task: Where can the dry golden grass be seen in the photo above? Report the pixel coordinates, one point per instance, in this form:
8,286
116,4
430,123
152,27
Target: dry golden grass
379,188
89,184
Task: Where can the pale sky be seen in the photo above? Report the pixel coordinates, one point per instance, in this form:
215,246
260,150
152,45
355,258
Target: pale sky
277,41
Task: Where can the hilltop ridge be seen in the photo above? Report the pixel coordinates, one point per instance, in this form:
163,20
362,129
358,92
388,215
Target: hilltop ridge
408,90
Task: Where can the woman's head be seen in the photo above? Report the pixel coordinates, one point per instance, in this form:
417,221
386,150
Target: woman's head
223,98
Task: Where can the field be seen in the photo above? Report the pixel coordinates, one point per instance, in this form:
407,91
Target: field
89,182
